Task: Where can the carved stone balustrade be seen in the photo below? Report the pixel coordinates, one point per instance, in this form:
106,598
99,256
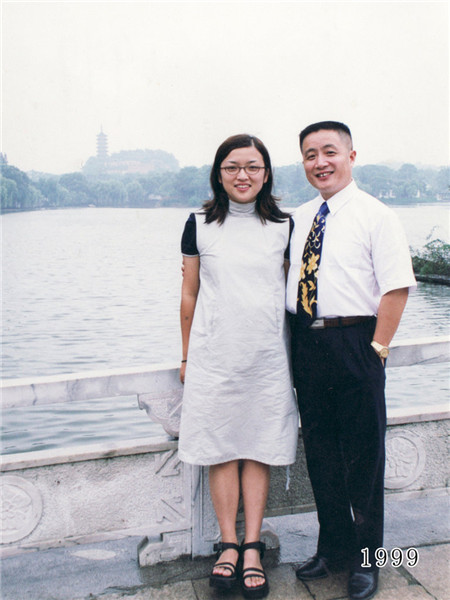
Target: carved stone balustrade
140,488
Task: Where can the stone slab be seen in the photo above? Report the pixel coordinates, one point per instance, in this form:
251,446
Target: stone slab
333,586
430,515
112,567
62,574
391,582
433,570
282,581
182,590
413,592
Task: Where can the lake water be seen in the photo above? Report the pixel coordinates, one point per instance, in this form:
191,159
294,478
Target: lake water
88,289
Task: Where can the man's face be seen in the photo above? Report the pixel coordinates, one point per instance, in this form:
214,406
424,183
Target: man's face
328,161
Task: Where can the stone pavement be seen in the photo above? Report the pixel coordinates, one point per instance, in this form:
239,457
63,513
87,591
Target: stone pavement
429,580
109,570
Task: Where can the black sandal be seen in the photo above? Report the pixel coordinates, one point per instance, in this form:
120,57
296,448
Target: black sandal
259,591
224,582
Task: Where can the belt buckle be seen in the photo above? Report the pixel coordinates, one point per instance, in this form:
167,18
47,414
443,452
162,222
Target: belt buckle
317,324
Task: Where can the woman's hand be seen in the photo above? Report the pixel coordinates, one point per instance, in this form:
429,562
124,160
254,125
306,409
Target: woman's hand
182,371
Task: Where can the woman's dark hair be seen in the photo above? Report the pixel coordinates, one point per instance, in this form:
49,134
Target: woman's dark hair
266,206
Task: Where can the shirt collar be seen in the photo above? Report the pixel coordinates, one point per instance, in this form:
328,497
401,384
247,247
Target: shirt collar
238,208
340,198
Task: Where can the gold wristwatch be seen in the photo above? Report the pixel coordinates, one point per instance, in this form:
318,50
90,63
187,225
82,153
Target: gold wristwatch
382,351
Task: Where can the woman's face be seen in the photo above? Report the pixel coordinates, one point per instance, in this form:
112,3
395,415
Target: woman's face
242,186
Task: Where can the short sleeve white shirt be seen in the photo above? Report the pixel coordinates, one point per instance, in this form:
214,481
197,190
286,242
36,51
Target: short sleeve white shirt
365,254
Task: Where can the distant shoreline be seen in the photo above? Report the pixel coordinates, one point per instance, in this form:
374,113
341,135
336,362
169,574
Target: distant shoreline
436,279
5,211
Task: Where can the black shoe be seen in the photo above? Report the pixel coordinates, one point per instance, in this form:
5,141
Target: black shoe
224,582
318,567
259,591
362,586
315,567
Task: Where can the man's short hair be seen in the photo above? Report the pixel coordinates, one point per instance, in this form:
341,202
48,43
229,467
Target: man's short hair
330,125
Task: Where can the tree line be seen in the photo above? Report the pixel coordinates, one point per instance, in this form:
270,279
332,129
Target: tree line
189,186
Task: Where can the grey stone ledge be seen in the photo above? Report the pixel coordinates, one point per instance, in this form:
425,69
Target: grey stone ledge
40,458
25,460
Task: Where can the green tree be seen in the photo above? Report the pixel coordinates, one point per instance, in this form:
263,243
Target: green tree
191,186
55,194
375,179
291,185
442,180
9,193
79,188
135,193
22,197
117,194
34,198
408,171
100,192
109,193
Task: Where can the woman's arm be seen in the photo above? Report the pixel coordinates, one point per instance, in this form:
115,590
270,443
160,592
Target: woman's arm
189,293
287,264
287,254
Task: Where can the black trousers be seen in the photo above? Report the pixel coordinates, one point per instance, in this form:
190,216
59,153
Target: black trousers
340,383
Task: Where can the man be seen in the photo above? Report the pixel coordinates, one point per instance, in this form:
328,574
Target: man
347,287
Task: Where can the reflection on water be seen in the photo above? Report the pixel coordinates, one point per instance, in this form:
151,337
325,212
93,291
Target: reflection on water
90,289
421,385
426,315
99,289
46,427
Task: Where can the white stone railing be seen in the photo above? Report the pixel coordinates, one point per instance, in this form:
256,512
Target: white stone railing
139,487
158,388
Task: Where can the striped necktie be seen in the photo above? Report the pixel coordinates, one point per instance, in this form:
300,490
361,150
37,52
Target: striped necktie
307,285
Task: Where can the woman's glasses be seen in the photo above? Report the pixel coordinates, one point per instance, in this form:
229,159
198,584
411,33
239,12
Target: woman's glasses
249,169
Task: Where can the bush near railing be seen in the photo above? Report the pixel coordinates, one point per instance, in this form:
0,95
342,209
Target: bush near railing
433,259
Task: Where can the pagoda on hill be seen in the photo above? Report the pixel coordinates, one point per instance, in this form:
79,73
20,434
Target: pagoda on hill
127,161
102,145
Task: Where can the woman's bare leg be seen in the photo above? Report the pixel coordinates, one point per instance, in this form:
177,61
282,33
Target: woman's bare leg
224,488
255,479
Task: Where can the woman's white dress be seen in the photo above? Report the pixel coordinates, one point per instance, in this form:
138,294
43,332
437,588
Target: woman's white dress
238,400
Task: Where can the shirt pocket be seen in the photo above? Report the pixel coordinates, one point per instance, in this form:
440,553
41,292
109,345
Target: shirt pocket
347,254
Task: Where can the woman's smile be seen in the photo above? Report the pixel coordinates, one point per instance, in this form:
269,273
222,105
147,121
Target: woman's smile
242,187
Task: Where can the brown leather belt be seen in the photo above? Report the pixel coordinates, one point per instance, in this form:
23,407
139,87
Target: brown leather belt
338,322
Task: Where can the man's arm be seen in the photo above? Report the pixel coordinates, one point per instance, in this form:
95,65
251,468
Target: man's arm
390,312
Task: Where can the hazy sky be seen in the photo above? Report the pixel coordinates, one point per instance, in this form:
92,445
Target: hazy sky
183,76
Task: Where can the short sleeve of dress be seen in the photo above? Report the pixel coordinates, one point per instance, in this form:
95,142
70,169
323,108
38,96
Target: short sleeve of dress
288,248
189,237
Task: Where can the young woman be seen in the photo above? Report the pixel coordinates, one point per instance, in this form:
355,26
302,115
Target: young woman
239,413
